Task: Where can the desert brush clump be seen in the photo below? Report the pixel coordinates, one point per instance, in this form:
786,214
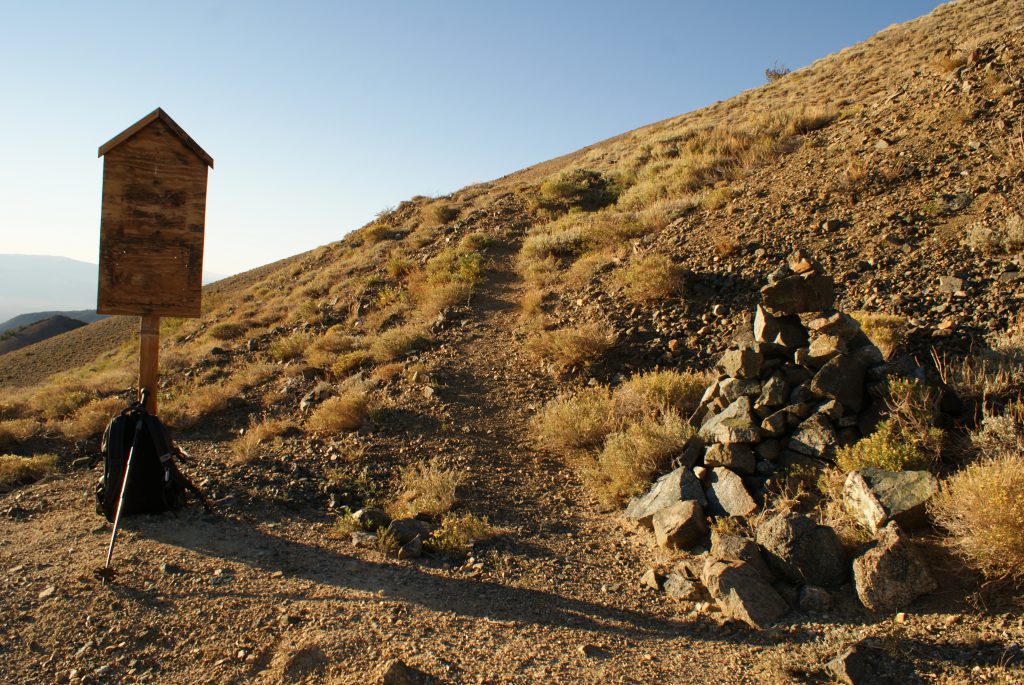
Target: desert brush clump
887,331
631,457
90,419
982,510
426,487
891,447
227,330
457,534
619,439
14,432
289,347
567,348
584,189
16,470
247,446
650,279
345,411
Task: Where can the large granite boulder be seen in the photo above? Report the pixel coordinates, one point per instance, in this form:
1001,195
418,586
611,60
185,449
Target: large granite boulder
876,496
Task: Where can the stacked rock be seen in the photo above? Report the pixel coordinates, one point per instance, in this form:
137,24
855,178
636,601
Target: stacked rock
788,395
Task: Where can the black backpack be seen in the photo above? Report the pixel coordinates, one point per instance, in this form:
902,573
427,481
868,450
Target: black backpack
155,483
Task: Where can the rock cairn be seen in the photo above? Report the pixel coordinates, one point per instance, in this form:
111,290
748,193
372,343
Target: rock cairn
805,382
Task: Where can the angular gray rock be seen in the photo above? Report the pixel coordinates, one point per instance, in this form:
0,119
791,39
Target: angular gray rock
742,593
727,496
824,348
838,324
796,294
743,363
876,496
739,430
841,379
680,526
744,549
785,331
738,457
679,485
734,388
371,518
774,394
740,409
802,551
814,438
678,586
891,574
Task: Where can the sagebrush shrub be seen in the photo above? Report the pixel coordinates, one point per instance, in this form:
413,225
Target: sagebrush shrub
982,509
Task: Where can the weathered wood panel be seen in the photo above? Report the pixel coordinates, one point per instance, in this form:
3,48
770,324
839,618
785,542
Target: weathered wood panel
152,225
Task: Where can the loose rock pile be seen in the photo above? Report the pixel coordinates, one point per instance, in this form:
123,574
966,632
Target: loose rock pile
806,382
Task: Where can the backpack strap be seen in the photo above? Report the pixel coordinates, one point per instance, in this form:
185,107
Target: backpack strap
184,481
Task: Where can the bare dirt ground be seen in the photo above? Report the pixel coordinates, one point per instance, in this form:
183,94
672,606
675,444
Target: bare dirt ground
263,592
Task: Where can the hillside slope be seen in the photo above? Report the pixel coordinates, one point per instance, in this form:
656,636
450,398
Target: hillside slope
421,351
38,331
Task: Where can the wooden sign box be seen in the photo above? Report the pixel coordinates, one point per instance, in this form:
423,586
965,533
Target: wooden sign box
152,222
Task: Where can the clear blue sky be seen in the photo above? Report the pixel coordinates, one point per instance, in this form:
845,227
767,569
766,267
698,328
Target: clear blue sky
320,114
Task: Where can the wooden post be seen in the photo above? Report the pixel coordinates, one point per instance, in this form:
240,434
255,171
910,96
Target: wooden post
149,359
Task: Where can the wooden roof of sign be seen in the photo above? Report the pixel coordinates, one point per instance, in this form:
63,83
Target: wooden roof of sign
171,124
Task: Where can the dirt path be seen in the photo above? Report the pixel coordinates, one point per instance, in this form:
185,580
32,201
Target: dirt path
261,595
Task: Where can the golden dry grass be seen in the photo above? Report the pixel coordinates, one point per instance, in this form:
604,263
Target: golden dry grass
345,412
567,348
292,346
578,421
458,533
15,470
887,331
651,278
982,510
14,432
90,420
632,457
228,330
427,487
247,446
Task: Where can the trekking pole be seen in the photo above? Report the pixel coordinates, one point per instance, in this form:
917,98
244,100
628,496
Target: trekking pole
120,503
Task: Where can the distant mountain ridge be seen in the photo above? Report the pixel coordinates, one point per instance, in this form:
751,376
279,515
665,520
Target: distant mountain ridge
83,315
37,331
45,284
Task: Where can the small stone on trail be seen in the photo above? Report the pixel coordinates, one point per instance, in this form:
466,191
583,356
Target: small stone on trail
47,592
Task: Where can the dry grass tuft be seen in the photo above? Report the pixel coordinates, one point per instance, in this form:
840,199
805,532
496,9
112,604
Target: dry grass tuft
344,412
982,508
246,447
397,343
661,391
458,533
428,488
579,421
228,331
567,348
887,331
290,347
13,432
632,457
90,420
650,279
15,470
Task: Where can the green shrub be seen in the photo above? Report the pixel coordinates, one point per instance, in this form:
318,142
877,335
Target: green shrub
891,447
584,189
458,532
